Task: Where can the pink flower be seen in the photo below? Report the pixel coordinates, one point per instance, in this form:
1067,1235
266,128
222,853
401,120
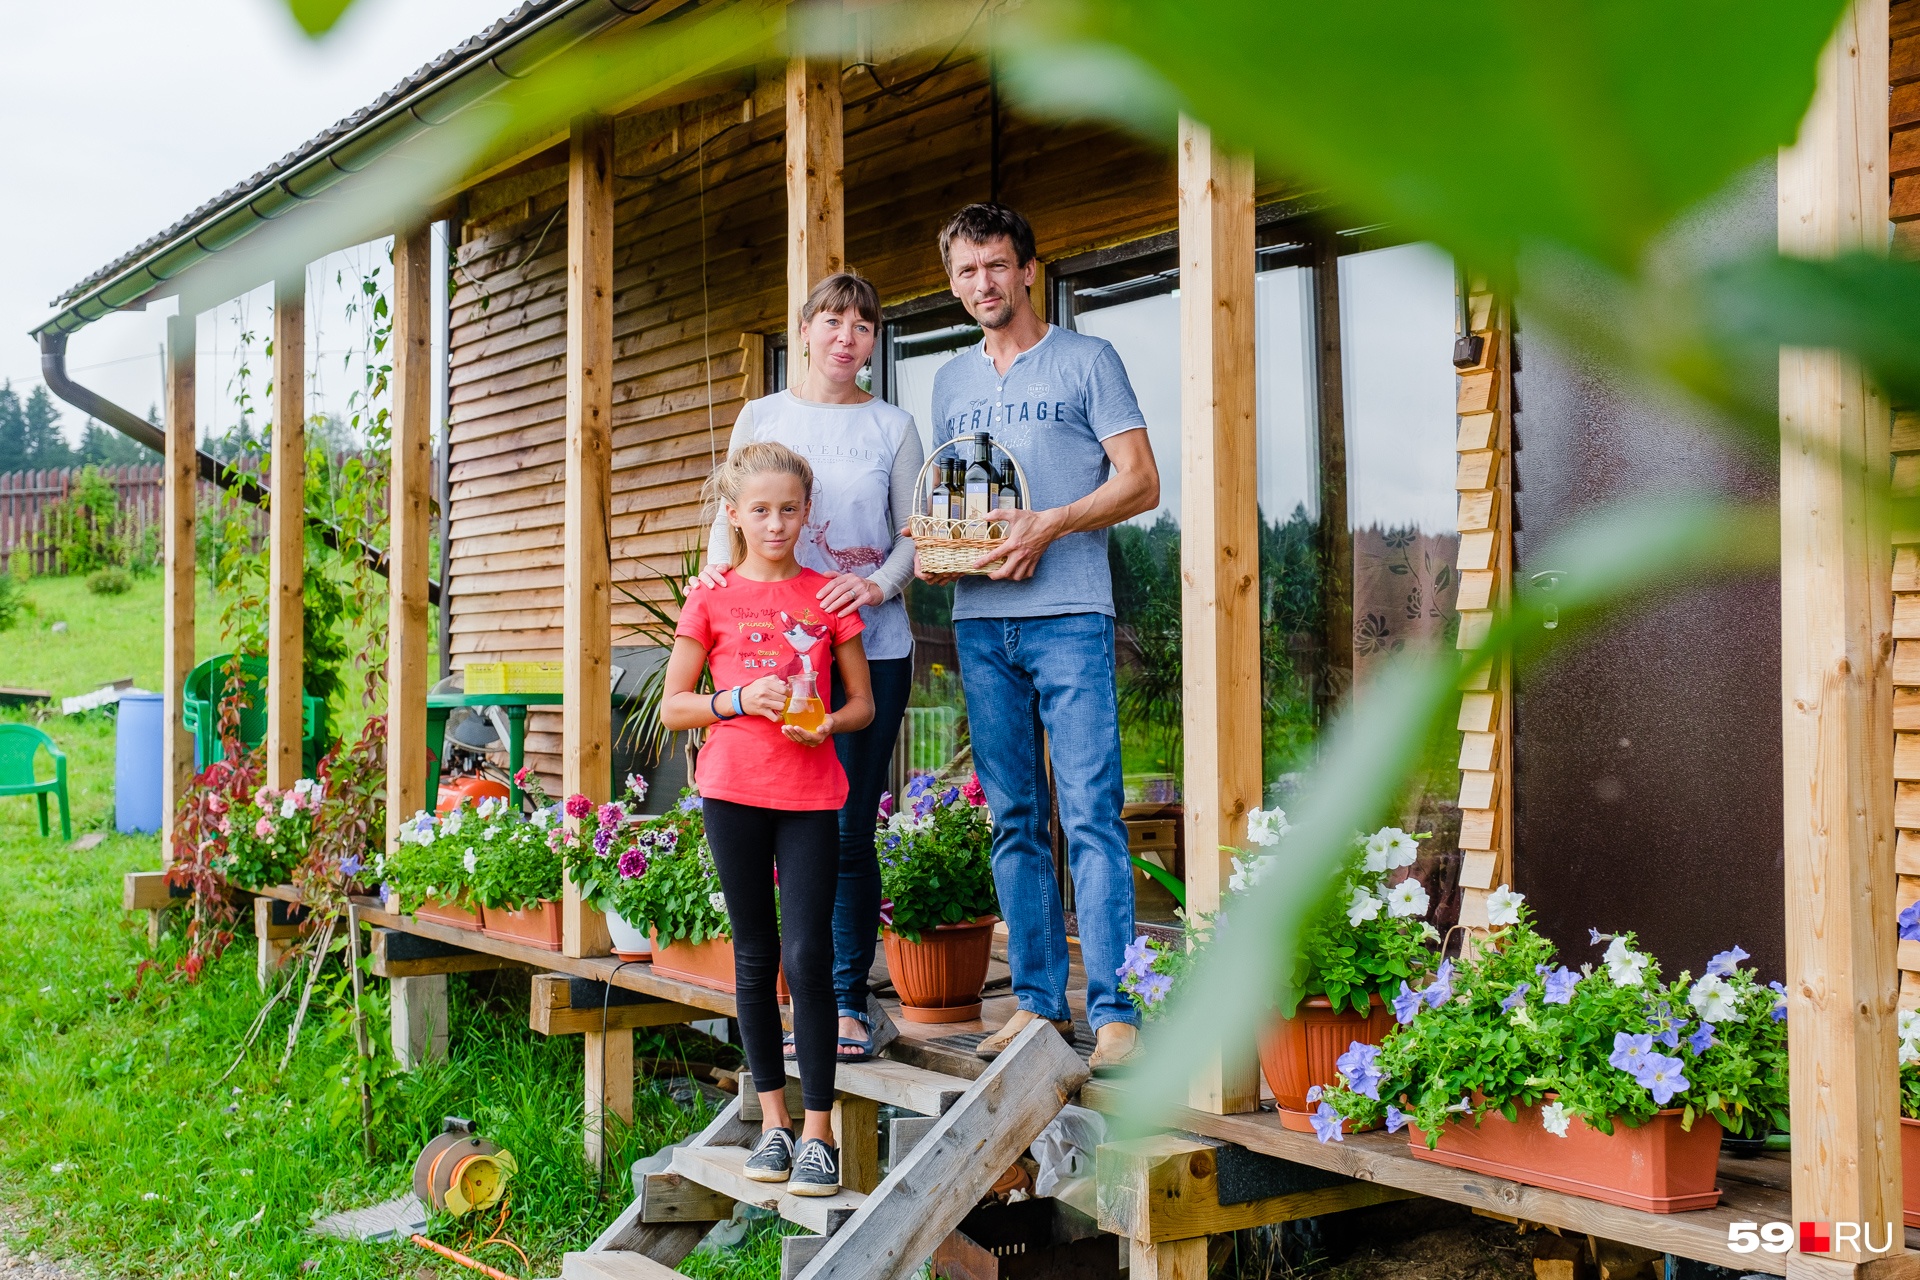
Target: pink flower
520,776
263,829
975,793
264,798
611,816
226,827
216,805
886,805
633,863
578,806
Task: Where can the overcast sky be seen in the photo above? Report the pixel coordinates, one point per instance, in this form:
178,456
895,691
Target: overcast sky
117,117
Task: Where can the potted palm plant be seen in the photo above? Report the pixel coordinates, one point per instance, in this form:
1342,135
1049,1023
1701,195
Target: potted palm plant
1601,1082
936,870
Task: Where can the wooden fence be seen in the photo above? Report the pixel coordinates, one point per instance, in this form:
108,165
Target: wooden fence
26,495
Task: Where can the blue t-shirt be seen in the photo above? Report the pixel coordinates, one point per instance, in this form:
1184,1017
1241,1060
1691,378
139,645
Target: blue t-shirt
1055,404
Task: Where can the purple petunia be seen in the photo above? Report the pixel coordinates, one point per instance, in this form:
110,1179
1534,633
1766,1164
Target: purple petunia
919,785
1723,965
1630,1051
1396,1119
1407,1004
1558,988
633,864
950,796
351,864
1357,1064
1327,1124
1519,993
1153,988
1440,990
1701,1040
690,804
1779,1005
886,805
1661,1076
611,816
1313,1094
602,841
1910,922
1136,961
1596,937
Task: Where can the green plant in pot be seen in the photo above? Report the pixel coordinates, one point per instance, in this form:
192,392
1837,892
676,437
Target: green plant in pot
1602,1081
936,872
267,833
425,873
654,877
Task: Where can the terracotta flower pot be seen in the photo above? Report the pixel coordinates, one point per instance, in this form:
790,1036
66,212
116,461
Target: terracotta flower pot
1657,1168
1910,1163
705,964
1298,1053
455,914
939,977
534,926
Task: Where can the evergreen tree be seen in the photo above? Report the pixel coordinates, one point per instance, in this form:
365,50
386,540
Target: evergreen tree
13,430
46,443
104,447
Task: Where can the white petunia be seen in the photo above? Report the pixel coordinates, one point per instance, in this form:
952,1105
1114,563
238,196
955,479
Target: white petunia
1408,898
1266,826
1376,856
1364,906
1248,872
289,805
1625,966
1910,1024
1715,1000
1554,1118
1396,848
1909,1052
718,901
470,861
303,786
1503,907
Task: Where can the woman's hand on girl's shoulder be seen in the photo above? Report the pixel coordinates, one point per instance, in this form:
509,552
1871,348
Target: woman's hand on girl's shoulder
714,575
847,592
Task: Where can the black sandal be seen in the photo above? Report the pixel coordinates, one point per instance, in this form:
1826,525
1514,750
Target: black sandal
863,1048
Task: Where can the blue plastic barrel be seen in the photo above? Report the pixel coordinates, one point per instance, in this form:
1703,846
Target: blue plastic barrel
136,762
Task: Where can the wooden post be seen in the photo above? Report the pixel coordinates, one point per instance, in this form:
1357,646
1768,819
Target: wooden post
408,503
856,1128
286,534
417,1018
1837,696
816,208
609,1086
1220,543
587,614
182,481
1168,1260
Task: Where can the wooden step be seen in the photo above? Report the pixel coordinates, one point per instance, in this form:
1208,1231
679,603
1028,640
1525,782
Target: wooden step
617,1265
722,1169
898,1084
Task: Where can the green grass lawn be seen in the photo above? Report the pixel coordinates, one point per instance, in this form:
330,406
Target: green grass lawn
128,1152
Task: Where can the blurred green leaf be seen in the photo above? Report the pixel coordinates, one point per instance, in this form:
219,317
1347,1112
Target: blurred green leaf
1487,128
317,17
1860,303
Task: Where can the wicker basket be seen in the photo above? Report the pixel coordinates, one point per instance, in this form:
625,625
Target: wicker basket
950,546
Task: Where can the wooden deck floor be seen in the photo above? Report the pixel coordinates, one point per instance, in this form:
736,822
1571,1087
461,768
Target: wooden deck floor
1753,1190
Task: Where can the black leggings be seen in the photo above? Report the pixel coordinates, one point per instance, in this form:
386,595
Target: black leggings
748,843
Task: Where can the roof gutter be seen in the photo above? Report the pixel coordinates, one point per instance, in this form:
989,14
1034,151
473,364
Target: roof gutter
53,371
433,103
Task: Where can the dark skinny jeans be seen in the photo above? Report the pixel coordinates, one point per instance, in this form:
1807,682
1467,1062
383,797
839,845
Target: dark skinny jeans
748,844
867,756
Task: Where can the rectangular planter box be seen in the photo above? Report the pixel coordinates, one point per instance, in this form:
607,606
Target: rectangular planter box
456,916
1910,1165
1657,1168
535,926
706,964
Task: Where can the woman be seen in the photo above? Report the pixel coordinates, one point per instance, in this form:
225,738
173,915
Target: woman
866,457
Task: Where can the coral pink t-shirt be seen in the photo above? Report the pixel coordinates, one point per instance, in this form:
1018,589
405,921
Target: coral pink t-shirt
754,629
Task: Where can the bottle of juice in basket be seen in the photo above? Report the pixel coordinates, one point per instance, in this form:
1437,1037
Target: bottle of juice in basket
804,708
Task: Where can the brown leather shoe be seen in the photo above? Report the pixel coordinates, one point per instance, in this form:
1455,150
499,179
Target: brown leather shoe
996,1044
1116,1046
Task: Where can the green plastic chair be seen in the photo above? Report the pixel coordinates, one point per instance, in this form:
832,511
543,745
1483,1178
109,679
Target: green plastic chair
19,744
200,712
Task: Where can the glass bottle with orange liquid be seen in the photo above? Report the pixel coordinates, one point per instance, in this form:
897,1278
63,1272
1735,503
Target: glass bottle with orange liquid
805,710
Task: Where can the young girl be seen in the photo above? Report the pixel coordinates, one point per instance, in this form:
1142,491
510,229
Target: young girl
772,791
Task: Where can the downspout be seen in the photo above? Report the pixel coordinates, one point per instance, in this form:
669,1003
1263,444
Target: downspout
53,371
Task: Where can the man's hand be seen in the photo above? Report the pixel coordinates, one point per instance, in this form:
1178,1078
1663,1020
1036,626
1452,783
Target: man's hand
1029,534
714,575
767,697
846,592
796,734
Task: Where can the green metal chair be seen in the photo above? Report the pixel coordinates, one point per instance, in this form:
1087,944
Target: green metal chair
19,744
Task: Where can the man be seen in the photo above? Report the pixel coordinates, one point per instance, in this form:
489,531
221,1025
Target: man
1035,636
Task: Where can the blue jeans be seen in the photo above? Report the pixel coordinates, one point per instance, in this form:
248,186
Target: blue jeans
1022,675
866,755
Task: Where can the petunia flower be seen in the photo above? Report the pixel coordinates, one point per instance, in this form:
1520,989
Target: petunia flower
1407,1003
886,805
1327,1124
1313,1094
973,792
1554,1118
637,785
1518,994
1715,1000
351,865
470,861
718,901
1910,922
1503,907
1625,966
1596,937
1724,964
1395,849
1701,1040
1153,988
1780,1003
1408,898
1396,1119
578,806
1629,1051
1661,1076
633,864
1357,1064
1266,826
263,829
1559,985
1440,990
610,816
1137,960
1363,907
690,804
